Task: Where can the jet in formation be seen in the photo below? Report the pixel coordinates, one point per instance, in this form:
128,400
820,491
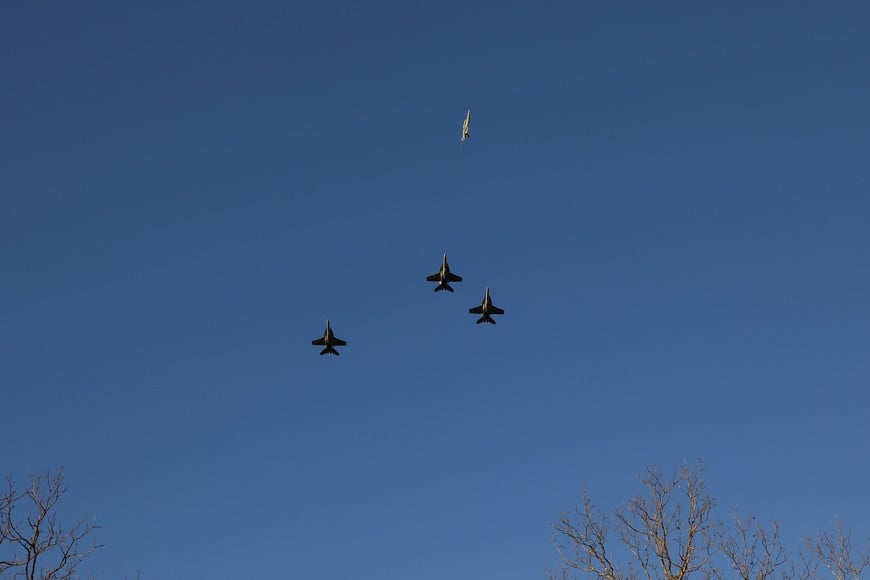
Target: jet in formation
465,126
444,276
486,309
329,341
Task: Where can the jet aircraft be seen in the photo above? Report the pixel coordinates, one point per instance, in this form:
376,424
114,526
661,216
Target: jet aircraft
486,309
329,341
444,276
465,125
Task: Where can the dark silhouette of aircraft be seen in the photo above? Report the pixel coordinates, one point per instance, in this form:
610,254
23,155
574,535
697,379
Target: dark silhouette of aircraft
329,341
444,277
486,309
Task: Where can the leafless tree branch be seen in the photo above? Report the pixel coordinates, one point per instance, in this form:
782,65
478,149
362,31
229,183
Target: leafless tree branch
752,551
39,548
835,550
670,534
668,531
586,529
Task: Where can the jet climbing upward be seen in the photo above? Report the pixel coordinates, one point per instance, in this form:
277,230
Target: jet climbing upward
486,309
444,276
329,341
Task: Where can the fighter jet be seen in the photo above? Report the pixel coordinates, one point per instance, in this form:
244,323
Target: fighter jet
465,125
444,277
329,341
486,309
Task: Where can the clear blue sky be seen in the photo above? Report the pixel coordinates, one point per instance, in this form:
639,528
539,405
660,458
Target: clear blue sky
671,201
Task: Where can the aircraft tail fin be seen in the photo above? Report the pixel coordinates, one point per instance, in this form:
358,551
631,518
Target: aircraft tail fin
485,318
329,350
443,286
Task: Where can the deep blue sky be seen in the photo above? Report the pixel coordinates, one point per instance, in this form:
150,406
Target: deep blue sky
670,200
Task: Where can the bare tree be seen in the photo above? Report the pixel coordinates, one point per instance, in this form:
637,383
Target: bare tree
803,570
668,531
835,550
33,544
586,530
753,552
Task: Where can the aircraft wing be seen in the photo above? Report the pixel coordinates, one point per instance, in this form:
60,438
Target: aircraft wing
495,310
454,278
319,342
476,310
434,278
338,342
